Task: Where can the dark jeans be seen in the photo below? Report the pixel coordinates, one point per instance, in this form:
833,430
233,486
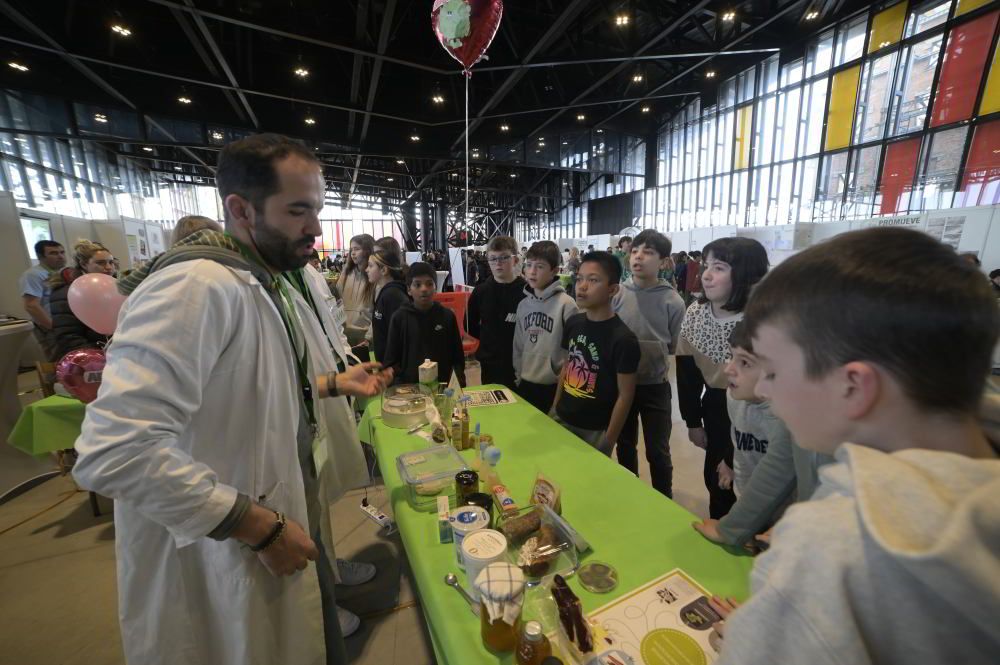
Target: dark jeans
652,404
538,395
720,447
498,372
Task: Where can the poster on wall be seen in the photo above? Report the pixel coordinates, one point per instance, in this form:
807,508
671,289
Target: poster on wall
155,235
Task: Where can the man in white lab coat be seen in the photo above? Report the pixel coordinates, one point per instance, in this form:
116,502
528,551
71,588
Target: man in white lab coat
212,433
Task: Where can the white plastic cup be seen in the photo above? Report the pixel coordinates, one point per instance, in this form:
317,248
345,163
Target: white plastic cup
480,549
464,521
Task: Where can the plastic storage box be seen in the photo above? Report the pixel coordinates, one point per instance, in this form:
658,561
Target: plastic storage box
428,474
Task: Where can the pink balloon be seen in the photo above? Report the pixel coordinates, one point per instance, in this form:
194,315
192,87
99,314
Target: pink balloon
465,28
95,300
80,372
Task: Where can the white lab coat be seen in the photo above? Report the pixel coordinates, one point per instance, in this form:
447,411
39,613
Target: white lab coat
198,402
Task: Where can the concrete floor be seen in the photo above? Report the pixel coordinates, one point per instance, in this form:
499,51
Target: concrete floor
57,569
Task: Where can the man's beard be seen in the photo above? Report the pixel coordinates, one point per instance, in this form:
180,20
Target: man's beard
276,249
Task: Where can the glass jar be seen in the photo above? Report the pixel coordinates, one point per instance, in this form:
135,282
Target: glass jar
532,647
501,594
498,636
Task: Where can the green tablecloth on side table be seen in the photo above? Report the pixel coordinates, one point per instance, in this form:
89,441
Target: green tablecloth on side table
628,524
48,425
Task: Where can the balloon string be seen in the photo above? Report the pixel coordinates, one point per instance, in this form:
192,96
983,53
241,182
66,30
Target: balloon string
467,77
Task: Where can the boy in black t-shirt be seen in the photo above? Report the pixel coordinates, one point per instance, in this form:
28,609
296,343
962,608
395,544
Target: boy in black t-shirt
597,383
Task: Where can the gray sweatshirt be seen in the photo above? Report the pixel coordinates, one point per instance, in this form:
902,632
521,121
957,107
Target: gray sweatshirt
655,315
893,561
786,473
754,429
538,352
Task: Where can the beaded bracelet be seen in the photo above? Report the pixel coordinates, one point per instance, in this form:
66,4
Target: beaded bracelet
275,534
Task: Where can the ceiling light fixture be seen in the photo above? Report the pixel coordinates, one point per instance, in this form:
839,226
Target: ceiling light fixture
646,109
389,179
217,136
637,78
301,72
710,74
184,100
513,175
622,20
504,127
400,161
437,99
729,17
147,148
121,30
310,121
18,66
581,117
100,117
812,16
414,137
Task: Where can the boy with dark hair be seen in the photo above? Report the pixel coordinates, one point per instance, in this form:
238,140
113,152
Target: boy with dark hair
653,310
538,355
493,311
624,254
422,330
597,383
875,346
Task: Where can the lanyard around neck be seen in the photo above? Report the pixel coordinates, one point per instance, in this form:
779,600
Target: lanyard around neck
293,324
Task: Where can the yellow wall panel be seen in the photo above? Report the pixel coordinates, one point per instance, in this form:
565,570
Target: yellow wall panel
840,114
743,137
966,6
887,27
991,94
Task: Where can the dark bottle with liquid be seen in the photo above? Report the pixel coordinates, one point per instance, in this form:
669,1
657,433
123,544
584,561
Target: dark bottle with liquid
532,646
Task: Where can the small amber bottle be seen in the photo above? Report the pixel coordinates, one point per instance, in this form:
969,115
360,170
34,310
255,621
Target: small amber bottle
532,645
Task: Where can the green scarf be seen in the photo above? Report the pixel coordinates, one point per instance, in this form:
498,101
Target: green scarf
204,244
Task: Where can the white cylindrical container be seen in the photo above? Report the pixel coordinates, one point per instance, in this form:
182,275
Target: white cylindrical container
480,549
464,521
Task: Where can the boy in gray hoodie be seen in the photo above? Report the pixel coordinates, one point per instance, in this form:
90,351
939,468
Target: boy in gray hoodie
875,346
538,353
654,311
770,469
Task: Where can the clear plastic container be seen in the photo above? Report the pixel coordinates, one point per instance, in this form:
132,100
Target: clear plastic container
428,474
538,557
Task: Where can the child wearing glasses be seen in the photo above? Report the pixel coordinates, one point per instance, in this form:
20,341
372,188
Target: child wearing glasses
493,311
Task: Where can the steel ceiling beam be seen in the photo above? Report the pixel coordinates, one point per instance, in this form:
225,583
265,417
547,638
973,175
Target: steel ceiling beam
90,74
302,38
360,30
210,40
760,26
591,61
660,36
383,43
189,32
207,84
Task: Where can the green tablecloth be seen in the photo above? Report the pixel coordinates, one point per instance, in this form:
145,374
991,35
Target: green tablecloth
628,524
48,425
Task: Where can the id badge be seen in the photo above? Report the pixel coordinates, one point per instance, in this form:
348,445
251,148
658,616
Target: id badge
320,446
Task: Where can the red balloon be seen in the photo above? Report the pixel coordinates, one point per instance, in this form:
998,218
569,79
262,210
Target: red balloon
80,372
466,28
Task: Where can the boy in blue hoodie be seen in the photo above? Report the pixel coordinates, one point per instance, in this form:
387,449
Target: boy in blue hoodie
538,353
654,311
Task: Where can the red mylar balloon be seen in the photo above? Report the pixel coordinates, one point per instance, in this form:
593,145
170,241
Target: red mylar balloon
80,372
466,28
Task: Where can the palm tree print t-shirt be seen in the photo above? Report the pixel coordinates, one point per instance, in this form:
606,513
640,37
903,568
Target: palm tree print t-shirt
598,352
